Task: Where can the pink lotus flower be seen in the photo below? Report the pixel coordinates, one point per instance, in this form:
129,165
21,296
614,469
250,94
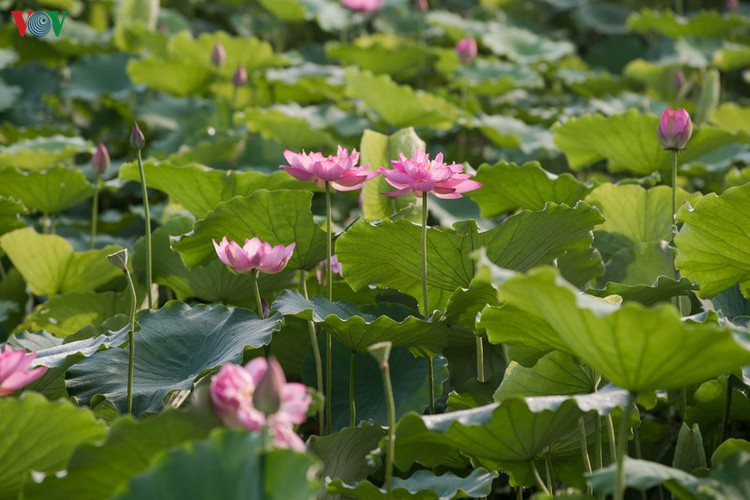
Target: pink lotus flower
238,393
15,370
466,49
363,5
218,54
335,265
675,129
255,254
419,174
339,170
100,161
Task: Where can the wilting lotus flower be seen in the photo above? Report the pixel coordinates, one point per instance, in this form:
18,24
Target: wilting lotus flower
14,370
466,50
419,174
340,170
255,254
362,5
258,395
675,129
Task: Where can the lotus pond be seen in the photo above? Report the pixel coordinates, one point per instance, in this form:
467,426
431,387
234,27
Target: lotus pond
291,249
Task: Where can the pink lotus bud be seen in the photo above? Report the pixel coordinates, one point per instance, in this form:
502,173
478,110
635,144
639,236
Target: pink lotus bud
365,6
266,308
240,77
675,129
137,141
100,160
421,5
679,79
732,5
268,393
218,55
466,50
15,370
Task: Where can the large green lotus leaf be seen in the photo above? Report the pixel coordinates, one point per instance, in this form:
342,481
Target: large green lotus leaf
732,56
186,67
628,142
10,215
706,23
174,345
273,216
213,282
377,150
507,324
509,132
712,245
65,314
388,254
357,330
511,432
42,152
637,223
465,304
96,472
53,267
490,76
592,83
400,105
526,47
643,475
605,17
294,131
640,339
457,26
731,117
9,95
709,400
346,454
47,191
661,290
97,75
40,435
556,373
422,485
291,11
387,54
230,465
179,182
508,187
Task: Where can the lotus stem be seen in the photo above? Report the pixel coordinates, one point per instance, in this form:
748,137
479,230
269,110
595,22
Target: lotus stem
538,478
622,446
390,401
258,299
352,402
480,359
131,339
598,455
612,440
550,475
95,211
147,215
329,339
725,415
674,193
425,301
316,352
584,444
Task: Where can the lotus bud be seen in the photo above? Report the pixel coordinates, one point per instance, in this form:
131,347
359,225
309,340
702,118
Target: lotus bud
137,141
218,55
100,160
466,50
268,393
675,129
240,77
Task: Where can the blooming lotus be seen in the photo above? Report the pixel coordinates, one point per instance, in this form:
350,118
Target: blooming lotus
419,175
16,371
254,255
256,396
362,5
675,129
340,170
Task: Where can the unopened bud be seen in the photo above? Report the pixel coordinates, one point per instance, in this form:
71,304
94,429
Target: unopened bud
100,160
137,141
267,395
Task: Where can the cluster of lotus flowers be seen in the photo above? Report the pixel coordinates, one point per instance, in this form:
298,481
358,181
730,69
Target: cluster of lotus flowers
418,174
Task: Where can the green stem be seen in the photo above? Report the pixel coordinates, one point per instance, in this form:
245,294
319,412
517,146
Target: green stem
622,446
538,478
95,212
258,299
550,475
316,353
584,444
724,431
131,340
147,214
683,402
352,403
480,359
612,440
329,339
425,302
598,455
391,451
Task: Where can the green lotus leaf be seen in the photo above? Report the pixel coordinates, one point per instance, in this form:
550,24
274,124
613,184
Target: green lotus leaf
346,454
706,23
209,336
509,132
387,54
10,214
294,131
526,47
661,290
46,191
42,152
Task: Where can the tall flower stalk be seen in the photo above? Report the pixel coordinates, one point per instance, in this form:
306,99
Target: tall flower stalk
421,176
339,172
120,260
382,352
99,162
138,142
316,353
